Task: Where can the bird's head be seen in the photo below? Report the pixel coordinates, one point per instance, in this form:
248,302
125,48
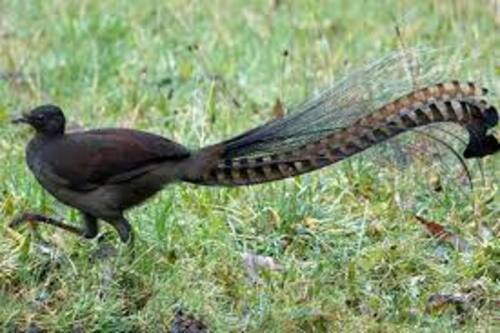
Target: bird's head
46,119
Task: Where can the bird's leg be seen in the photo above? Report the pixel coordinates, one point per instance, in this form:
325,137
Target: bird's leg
123,227
47,220
91,226
125,231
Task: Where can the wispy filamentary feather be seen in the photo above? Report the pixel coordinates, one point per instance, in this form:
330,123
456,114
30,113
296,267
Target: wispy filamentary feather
104,172
359,93
404,90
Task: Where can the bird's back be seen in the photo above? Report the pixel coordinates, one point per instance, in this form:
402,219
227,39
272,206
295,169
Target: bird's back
86,160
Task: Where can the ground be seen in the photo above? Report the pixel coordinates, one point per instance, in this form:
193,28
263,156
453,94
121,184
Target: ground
351,255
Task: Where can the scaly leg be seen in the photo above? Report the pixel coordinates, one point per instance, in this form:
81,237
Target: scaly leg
90,230
91,226
123,227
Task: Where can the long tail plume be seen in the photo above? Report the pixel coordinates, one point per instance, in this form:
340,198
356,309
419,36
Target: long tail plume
361,111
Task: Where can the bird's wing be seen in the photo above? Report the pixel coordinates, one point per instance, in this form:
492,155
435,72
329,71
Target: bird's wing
86,160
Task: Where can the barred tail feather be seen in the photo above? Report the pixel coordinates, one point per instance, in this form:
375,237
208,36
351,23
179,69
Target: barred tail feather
464,104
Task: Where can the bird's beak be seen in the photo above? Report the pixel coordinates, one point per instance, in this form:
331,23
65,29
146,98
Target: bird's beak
23,119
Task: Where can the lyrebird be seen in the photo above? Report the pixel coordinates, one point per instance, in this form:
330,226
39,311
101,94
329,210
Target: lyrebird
104,172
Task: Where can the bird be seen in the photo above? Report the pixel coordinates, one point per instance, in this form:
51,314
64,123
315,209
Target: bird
104,172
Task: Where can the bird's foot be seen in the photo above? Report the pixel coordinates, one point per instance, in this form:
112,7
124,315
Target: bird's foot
22,218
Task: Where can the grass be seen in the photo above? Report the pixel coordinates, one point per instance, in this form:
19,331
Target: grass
353,258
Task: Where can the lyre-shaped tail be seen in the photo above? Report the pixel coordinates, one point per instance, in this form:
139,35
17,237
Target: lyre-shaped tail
461,103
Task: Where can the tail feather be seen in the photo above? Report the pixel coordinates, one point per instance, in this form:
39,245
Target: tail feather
270,152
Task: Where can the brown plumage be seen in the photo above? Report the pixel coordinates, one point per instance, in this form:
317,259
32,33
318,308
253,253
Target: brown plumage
460,103
102,173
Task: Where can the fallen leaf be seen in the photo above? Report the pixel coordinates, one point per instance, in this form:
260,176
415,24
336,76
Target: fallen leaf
438,231
253,263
